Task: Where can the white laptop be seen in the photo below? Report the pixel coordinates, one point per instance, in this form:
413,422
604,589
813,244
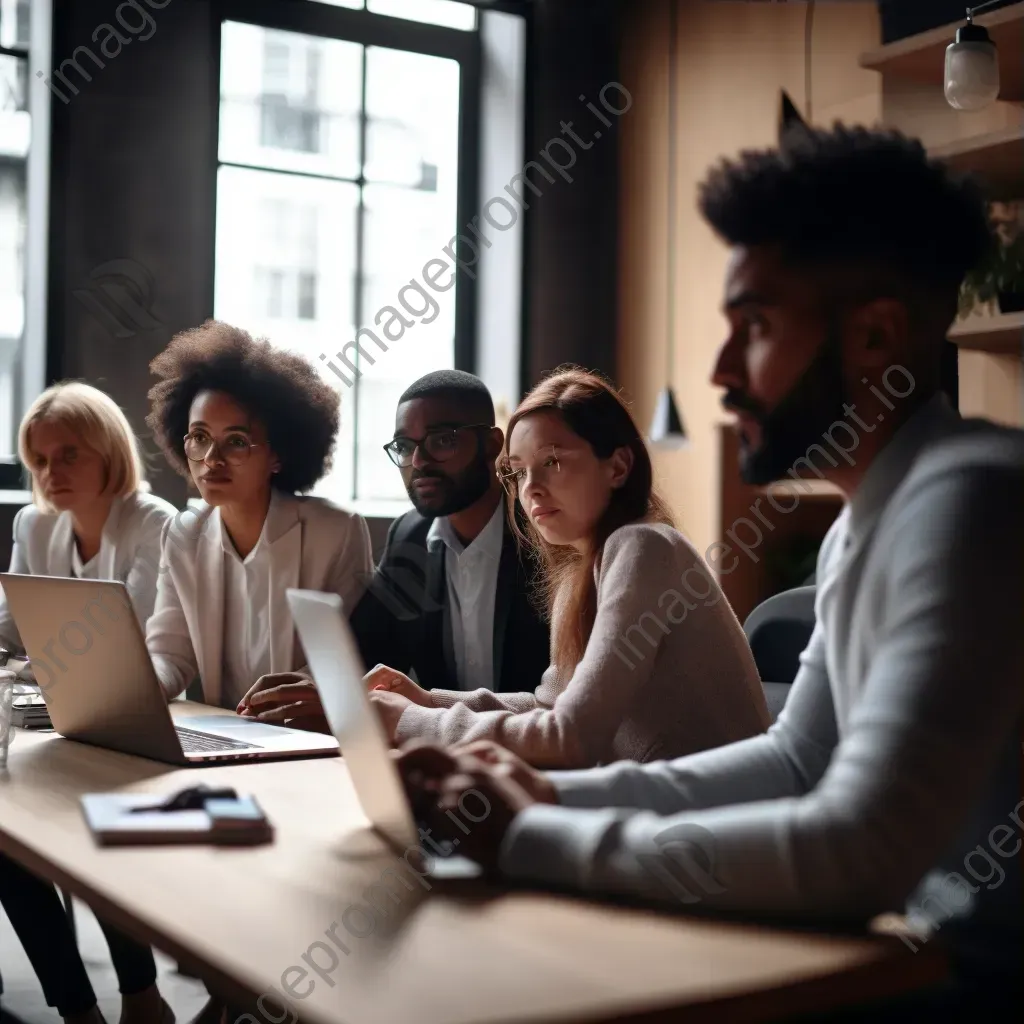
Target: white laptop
89,657
334,660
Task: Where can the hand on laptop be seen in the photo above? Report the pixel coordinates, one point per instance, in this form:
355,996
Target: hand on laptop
482,799
380,677
512,766
389,707
285,697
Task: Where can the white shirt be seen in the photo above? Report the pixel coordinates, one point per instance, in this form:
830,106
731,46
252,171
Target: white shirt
84,571
246,617
893,773
44,545
472,577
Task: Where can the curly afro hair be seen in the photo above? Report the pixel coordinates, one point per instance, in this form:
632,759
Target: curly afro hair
281,390
854,199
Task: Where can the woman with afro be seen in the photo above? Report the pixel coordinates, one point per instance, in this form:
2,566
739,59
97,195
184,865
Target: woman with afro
253,428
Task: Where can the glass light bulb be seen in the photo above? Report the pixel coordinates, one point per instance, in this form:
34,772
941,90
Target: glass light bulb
972,74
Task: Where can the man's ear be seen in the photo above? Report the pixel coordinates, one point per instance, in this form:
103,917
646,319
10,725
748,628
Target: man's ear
493,443
789,117
881,329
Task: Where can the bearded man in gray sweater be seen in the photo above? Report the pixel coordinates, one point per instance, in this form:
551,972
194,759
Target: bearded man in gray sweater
892,779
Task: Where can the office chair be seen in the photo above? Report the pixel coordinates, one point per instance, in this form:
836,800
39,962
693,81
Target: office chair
778,630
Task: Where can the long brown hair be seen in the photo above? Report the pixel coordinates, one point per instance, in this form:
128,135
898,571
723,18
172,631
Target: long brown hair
594,410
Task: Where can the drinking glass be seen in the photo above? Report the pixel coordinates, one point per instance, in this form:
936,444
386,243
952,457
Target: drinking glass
7,680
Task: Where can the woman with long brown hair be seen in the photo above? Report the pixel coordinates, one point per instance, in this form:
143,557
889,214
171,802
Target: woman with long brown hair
648,658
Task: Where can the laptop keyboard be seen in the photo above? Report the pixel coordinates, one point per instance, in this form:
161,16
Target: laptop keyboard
204,743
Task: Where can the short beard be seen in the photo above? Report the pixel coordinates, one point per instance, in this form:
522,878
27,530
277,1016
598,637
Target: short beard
800,420
459,492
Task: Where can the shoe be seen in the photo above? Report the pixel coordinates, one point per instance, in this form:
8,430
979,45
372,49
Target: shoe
136,1010
213,1012
93,1016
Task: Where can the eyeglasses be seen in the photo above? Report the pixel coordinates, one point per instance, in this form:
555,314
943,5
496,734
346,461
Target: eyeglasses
234,449
514,479
437,445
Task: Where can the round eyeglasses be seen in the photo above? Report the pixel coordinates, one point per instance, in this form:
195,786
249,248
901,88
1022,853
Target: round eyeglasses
234,449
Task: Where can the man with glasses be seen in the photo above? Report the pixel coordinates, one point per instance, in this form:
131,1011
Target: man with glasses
450,600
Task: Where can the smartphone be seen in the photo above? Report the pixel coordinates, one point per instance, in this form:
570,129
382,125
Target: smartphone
238,821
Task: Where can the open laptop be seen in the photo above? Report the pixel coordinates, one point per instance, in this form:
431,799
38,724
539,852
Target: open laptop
89,657
337,668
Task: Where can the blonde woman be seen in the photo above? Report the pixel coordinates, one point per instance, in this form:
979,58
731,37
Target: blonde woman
90,518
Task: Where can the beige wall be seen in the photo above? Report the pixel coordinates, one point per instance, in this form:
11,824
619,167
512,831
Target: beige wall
733,60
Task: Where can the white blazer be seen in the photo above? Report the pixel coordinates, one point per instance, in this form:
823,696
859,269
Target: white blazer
314,545
129,551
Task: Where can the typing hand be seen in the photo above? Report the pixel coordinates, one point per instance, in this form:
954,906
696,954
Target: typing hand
511,766
463,799
389,707
285,698
380,677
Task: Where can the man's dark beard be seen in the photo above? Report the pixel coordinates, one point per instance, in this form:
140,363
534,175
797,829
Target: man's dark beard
454,493
800,420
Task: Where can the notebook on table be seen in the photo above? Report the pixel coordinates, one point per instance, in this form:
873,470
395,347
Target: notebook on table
114,821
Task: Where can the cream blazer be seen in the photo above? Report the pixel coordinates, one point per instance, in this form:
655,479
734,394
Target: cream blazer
314,546
129,551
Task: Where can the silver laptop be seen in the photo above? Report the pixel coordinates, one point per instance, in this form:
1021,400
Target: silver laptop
337,668
89,657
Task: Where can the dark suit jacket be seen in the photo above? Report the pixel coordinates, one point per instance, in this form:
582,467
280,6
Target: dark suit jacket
403,619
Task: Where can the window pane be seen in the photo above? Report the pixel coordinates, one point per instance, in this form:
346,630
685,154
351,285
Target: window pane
14,140
290,101
433,12
14,16
286,265
412,110
394,286
412,103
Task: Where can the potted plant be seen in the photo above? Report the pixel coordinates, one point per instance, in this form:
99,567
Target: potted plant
997,284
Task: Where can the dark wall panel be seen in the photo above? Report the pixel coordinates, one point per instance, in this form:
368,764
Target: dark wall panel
133,196
570,272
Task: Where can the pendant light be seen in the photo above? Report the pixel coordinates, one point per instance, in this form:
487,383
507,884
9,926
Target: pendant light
972,66
667,425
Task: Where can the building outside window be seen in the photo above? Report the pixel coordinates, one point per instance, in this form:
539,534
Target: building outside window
338,180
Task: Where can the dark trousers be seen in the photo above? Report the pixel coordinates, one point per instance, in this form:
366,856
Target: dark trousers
39,919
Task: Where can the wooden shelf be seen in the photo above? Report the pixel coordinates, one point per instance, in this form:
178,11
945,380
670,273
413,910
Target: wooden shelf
998,334
922,58
996,157
805,490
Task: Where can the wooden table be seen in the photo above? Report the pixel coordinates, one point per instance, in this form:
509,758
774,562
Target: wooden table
459,953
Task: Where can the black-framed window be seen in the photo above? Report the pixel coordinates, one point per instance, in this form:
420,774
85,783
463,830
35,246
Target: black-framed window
14,148
347,138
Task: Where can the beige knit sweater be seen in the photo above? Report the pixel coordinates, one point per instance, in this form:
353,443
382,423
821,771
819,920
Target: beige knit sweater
667,671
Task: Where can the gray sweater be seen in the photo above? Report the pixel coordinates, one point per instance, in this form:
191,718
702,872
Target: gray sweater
666,671
893,774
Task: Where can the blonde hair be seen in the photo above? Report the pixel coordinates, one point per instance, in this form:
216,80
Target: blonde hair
99,422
